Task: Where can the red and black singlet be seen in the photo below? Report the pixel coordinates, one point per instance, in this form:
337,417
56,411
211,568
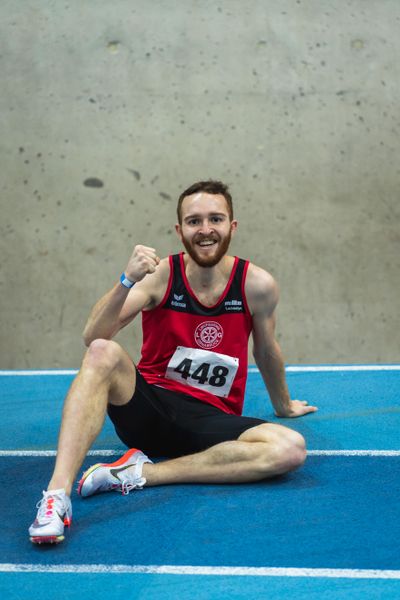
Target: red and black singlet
195,349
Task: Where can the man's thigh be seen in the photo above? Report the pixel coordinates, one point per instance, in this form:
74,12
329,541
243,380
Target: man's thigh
197,434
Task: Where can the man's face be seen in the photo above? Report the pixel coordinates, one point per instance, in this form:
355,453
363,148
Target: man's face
206,229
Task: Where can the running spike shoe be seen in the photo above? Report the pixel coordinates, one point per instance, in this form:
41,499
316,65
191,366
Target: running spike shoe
122,475
55,512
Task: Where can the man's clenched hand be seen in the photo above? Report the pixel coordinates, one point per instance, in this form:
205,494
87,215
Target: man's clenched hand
144,260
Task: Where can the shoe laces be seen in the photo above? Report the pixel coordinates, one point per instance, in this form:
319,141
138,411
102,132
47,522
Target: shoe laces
47,507
128,481
126,487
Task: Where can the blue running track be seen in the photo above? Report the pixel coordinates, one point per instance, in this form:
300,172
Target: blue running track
329,530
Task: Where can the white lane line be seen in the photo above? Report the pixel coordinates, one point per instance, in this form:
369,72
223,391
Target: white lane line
23,453
56,372
353,452
207,570
289,369
44,453
334,368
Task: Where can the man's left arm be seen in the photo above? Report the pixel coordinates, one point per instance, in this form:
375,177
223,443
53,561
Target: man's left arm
262,294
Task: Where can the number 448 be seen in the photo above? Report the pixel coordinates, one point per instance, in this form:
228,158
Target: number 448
201,374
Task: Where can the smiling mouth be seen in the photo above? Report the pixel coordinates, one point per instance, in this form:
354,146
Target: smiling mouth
206,243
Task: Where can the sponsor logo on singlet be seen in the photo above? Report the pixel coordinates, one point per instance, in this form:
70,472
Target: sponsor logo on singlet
233,305
208,334
177,301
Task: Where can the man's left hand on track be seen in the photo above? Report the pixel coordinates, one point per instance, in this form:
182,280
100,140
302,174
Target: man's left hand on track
298,408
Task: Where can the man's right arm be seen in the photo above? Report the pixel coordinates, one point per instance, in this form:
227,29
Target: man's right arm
121,305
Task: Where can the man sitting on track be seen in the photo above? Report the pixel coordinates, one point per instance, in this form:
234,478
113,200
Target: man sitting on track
184,399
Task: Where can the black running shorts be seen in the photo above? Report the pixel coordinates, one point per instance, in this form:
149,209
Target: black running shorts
164,423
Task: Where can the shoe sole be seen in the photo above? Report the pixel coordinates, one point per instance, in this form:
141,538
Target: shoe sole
50,539
117,463
47,539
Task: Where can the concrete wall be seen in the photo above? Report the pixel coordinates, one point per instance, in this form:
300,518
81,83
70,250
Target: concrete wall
294,103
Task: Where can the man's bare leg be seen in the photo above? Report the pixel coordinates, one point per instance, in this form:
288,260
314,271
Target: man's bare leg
107,375
260,452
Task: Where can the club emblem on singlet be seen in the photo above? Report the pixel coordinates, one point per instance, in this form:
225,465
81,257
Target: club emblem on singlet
208,334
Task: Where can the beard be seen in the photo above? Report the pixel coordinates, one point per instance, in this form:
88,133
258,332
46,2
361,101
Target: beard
222,245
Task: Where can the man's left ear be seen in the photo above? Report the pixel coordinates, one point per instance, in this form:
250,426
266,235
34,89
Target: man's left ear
234,225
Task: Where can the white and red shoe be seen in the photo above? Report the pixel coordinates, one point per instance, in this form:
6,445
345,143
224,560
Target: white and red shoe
123,475
55,512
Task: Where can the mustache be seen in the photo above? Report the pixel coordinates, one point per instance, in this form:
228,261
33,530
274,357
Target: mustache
206,238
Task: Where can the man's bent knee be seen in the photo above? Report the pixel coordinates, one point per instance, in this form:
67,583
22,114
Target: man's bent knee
107,361
291,448
285,448
105,355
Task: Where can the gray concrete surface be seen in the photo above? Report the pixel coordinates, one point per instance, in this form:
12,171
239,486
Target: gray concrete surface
293,103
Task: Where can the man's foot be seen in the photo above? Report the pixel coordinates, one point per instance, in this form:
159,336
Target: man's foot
122,475
55,511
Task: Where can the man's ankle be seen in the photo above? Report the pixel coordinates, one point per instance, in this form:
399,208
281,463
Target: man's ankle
57,486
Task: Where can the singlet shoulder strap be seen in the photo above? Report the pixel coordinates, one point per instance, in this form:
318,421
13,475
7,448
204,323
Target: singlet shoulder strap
236,296
176,289
172,270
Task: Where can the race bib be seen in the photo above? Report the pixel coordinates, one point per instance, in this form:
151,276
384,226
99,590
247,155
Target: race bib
204,370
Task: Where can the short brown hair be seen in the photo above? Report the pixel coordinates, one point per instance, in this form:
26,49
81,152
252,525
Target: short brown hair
209,187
